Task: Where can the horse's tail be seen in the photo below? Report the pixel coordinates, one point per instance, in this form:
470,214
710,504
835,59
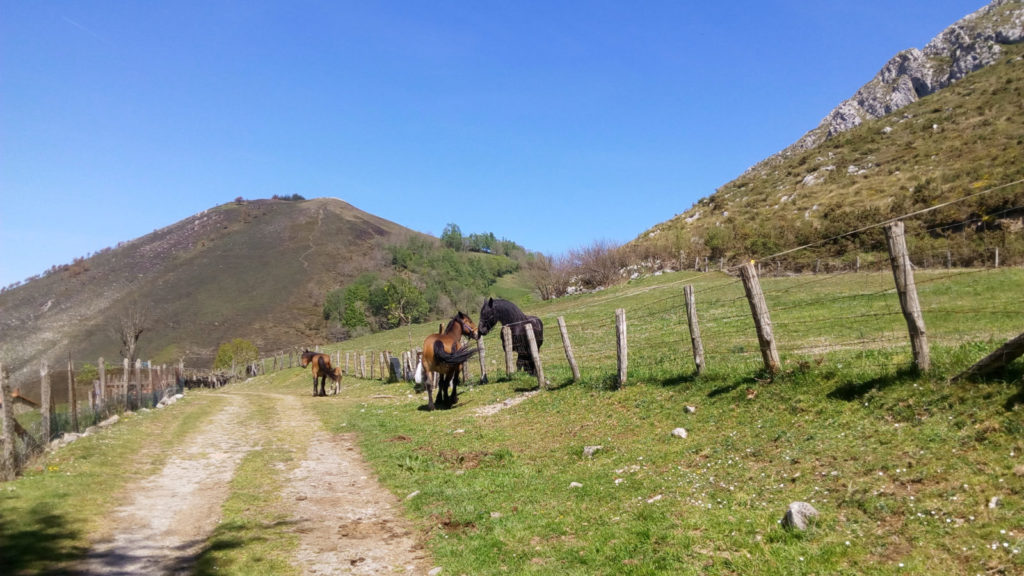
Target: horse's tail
323,364
457,357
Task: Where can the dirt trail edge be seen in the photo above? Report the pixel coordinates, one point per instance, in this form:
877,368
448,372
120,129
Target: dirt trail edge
346,521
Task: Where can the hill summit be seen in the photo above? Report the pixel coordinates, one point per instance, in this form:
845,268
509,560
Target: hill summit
253,269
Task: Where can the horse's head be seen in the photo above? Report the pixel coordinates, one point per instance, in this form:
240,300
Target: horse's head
305,358
488,317
468,328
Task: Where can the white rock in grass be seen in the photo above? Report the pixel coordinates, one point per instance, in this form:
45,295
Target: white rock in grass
799,515
589,451
434,571
575,485
680,433
995,502
691,409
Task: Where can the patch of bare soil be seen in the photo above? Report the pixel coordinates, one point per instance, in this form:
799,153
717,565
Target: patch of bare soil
346,521
492,409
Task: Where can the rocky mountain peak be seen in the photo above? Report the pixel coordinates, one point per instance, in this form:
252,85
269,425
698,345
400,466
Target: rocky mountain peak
971,43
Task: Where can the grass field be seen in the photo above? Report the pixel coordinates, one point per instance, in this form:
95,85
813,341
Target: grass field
901,466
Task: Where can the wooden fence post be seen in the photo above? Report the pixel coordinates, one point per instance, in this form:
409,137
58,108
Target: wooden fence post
483,361
8,457
621,348
103,382
691,318
46,398
568,349
535,354
137,376
506,339
997,360
762,319
72,397
124,382
903,272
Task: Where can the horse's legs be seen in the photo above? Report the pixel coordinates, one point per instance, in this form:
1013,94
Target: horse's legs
314,385
525,362
455,385
442,388
430,391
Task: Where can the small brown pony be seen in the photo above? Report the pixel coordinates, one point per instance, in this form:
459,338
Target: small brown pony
442,353
322,369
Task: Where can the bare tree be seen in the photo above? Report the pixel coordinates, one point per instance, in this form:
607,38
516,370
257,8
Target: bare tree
129,327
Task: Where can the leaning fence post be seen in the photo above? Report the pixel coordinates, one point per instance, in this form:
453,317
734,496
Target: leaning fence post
8,459
46,394
506,341
568,349
535,355
691,318
621,348
762,319
903,272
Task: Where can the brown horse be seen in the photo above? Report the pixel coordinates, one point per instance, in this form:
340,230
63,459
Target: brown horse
322,370
443,354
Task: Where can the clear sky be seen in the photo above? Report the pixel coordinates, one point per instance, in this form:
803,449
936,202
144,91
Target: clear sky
553,124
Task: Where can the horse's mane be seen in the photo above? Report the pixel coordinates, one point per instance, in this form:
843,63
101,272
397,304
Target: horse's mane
508,312
452,322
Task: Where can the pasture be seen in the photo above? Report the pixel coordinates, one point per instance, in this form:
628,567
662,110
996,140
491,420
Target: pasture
910,474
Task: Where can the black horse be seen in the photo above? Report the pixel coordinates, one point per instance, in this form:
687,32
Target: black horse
510,315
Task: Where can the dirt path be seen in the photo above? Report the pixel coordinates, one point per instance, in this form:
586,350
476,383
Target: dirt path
347,522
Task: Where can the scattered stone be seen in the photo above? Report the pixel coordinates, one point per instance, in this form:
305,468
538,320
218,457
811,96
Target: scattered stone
413,495
589,451
575,485
495,515
109,421
434,571
654,499
459,431
995,502
680,433
799,515
691,409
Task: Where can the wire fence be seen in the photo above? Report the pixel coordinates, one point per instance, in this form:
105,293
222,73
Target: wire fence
845,312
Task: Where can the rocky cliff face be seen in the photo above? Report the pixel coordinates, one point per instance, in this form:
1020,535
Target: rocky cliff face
971,43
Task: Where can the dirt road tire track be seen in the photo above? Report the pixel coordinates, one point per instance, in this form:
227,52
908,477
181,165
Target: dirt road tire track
346,521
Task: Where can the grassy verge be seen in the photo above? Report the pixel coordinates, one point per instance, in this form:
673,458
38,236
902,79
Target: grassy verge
254,535
49,516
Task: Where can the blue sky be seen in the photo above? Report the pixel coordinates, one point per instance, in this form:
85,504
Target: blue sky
553,124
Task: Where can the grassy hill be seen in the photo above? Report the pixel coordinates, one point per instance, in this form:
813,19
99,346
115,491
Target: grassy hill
961,141
254,269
